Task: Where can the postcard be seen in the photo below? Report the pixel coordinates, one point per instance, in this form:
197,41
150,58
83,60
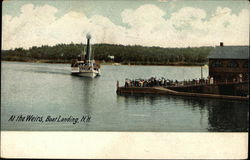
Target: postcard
129,79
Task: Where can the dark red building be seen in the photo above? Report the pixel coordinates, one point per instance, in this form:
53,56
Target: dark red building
229,63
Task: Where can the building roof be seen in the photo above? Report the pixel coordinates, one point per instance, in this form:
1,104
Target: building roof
229,52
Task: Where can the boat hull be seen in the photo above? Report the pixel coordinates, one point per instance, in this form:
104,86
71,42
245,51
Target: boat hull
86,74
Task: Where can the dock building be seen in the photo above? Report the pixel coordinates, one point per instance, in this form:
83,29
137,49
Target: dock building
229,63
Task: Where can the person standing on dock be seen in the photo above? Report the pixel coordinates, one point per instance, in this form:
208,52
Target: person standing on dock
240,77
211,81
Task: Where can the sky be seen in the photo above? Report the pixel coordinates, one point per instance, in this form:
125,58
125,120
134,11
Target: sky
164,23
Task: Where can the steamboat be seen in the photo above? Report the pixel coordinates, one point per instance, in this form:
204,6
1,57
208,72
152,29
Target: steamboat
85,65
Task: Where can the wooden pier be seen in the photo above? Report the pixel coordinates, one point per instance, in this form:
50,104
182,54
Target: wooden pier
167,91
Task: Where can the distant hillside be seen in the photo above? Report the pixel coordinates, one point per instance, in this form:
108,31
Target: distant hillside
122,54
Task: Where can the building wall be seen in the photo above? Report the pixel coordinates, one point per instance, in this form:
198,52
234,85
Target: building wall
228,69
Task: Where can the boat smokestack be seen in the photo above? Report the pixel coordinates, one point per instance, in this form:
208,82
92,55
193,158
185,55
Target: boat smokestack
88,54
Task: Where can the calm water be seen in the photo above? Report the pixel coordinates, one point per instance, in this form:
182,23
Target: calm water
49,90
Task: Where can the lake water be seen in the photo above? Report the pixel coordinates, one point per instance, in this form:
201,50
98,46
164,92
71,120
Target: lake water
45,90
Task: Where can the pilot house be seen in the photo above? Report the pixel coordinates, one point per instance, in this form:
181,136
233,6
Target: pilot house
229,63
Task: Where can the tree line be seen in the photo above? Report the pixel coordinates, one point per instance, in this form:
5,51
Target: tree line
130,54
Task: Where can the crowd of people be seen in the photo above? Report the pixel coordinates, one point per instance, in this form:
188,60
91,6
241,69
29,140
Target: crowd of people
153,82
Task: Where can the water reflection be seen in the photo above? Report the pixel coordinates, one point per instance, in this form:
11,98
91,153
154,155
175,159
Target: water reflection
85,86
139,99
228,115
222,115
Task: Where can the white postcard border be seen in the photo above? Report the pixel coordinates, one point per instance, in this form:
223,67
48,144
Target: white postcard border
136,145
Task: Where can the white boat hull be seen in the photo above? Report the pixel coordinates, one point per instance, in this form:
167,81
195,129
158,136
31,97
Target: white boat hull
84,73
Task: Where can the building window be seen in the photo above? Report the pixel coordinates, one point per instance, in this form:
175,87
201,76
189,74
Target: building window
217,63
246,76
232,64
246,65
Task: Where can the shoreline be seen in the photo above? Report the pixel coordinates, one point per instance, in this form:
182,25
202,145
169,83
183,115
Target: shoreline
177,64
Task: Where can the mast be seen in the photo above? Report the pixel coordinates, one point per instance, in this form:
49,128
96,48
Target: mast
93,52
82,55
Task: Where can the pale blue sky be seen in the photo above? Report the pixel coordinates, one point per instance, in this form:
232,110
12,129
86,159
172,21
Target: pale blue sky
113,8
170,13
